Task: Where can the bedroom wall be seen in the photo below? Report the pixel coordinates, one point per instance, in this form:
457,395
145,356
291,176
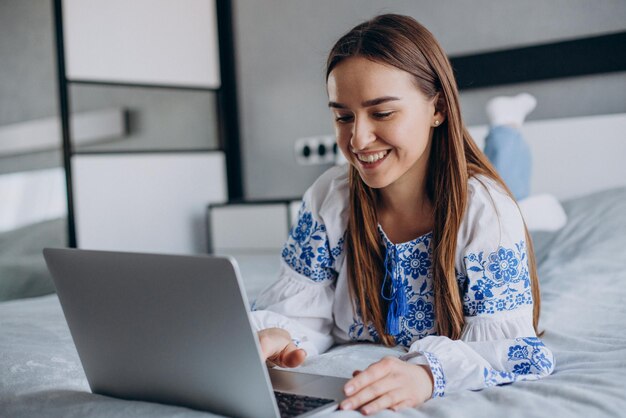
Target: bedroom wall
282,44
281,47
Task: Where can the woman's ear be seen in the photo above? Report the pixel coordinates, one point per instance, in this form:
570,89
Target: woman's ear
440,108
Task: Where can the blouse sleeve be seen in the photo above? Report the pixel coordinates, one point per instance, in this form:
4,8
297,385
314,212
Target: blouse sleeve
301,300
498,344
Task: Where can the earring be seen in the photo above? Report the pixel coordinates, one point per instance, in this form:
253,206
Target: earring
436,123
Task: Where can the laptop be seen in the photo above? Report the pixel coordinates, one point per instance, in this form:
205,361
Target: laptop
176,330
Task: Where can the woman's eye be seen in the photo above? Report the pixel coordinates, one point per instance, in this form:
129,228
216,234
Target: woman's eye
343,119
383,115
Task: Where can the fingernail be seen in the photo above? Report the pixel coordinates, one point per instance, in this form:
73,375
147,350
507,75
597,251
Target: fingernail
366,411
349,389
346,405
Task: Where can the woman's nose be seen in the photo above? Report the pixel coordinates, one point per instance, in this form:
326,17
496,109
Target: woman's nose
362,135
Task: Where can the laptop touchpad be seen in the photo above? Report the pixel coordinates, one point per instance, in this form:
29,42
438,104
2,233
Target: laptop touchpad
287,381
308,384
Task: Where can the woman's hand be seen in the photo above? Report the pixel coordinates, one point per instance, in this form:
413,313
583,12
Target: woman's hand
388,384
278,348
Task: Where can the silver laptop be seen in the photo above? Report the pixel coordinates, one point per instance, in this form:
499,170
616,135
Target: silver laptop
175,330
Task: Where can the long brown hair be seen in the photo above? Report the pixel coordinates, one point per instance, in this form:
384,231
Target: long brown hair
402,42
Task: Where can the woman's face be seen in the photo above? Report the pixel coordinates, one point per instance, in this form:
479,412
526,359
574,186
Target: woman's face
383,122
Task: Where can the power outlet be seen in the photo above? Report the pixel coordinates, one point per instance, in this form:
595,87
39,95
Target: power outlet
316,150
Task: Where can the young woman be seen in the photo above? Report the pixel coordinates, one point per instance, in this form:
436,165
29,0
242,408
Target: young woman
416,242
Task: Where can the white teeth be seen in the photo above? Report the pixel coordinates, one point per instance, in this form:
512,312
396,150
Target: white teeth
372,158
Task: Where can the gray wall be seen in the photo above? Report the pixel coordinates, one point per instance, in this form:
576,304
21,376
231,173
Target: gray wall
281,49
282,46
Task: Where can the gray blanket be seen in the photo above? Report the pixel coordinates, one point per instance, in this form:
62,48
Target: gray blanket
583,275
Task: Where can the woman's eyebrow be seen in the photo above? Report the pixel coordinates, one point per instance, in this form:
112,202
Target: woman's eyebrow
367,103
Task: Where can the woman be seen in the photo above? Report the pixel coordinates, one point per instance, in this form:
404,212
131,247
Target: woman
417,242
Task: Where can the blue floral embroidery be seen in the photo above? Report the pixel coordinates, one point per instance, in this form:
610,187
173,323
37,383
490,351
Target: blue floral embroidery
416,265
420,321
439,379
301,232
535,352
325,254
504,264
482,290
522,368
499,282
496,282
497,377
421,316
415,278
529,360
358,328
518,352
308,250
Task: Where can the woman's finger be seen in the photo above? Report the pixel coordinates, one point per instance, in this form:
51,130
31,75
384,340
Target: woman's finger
273,341
371,392
402,405
385,401
278,349
292,356
374,372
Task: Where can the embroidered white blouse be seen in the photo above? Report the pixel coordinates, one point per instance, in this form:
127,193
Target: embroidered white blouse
498,345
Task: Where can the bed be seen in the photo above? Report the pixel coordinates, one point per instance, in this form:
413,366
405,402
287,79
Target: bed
582,271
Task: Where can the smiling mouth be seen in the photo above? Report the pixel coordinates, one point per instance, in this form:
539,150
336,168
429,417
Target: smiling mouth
372,158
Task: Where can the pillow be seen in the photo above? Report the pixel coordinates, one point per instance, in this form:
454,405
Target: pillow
542,212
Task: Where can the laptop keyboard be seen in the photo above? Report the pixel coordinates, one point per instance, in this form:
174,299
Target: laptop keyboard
291,405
